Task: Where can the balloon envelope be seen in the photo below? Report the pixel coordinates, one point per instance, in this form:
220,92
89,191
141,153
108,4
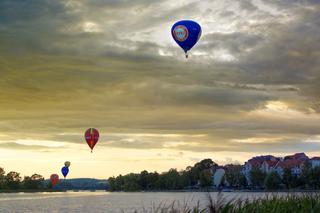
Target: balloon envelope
92,137
54,178
186,33
67,163
64,171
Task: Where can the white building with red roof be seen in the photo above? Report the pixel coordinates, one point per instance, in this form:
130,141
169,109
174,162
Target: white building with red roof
265,163
270,163
295,165
315,162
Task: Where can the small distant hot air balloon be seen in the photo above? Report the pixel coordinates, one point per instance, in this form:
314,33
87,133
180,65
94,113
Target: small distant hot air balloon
64,171
54,178
92,137
67,164
186,33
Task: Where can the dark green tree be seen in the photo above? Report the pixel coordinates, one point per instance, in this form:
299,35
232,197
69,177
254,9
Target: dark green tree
290,180
287,178
195,171
205,164
33,182
152,180
143,180
205,178
305,179
112,184
184,178
313,178
13,180
2,178
243,180
119,183
272,181
131,182
172,180
234,176
257,177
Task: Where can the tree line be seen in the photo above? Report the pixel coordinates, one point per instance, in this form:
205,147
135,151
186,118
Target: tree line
13,181
199,174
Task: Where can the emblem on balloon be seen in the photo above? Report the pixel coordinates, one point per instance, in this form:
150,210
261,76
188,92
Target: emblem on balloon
180,33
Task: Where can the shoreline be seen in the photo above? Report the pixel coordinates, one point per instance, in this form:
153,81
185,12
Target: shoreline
166,191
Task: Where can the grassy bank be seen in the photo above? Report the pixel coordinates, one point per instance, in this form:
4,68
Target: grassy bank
302,203
308,202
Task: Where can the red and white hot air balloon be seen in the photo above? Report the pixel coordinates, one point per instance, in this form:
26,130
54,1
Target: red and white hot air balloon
54,178
92,137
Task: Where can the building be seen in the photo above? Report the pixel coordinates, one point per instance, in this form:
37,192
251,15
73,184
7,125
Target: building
218,177
264,162
315,162
298,156
295,165
269,163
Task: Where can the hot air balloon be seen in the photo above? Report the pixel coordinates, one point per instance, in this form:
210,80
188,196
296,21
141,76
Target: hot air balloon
92,137
67,164
186,33
54,178
64,171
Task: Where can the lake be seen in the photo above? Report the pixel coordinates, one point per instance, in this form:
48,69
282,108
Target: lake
101,201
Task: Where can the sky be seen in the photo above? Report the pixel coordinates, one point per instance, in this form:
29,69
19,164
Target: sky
249,87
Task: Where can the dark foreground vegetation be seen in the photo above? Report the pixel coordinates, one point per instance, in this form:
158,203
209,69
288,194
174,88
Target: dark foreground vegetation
302,203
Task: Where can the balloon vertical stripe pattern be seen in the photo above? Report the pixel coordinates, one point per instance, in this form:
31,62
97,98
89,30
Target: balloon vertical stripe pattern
91,139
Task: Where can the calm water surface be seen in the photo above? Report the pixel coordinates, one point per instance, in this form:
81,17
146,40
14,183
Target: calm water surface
105,201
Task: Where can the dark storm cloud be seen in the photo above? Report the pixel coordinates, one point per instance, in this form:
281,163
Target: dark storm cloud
290,53
289,4
236,43
123,4
247,5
